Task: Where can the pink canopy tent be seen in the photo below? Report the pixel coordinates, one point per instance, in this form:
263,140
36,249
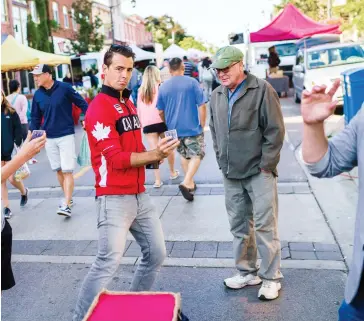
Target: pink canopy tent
291,24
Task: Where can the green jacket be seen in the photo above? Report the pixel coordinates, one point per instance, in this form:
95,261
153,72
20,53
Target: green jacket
256,134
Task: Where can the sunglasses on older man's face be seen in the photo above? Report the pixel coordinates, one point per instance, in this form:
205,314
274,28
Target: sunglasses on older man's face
225,70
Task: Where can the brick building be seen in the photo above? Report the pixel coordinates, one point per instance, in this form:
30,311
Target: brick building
61,11
135,32
6,19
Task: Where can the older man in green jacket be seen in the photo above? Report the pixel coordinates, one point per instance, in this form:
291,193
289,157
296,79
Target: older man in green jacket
248,132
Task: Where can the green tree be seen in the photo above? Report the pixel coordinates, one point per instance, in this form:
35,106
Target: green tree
352,14
88,39
39,34
164,28
315,9
190,42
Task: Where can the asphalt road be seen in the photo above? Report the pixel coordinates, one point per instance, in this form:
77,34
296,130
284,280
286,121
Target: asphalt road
47,292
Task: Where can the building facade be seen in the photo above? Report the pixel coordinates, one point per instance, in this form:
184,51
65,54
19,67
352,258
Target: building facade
135,32
62,13
6,19
102,9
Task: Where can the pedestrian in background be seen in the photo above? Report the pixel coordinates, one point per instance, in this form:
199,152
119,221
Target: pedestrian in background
273,60
11,133
247,130
134,84
206,76
53,102
20,103
165,74
182,107
153,125
68,79
190,67
22,106
328,158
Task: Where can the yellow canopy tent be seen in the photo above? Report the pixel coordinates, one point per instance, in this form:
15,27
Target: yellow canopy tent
15,56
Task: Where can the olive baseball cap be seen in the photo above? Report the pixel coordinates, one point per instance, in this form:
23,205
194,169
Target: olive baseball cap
226,56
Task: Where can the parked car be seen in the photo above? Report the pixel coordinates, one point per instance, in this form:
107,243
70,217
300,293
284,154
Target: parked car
323,64
316,40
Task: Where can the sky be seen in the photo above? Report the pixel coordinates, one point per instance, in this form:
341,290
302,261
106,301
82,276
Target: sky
209,20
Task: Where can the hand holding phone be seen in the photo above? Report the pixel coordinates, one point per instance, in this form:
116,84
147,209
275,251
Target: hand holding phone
36,134
172,134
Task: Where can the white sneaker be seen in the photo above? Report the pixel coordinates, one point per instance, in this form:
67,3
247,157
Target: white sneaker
63,203
269,290
239,281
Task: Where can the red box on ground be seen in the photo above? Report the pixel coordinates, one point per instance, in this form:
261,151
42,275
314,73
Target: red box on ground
134,306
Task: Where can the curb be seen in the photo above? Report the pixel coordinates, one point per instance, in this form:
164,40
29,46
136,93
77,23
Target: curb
178,262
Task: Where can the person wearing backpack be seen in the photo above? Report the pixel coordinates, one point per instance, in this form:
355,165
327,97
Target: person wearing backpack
11,133
20,103
207,77
22,106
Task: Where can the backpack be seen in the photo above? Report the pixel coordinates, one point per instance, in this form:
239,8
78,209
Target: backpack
207,75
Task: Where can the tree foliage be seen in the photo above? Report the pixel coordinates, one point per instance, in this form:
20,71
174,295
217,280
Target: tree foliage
162,29
353,15
88,38
38,34
315,9
190,42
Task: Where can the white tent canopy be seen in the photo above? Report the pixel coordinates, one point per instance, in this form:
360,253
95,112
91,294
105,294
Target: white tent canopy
141,54
174,51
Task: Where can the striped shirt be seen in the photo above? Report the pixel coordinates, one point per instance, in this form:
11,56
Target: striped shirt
189,68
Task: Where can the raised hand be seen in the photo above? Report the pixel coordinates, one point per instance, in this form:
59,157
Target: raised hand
317,105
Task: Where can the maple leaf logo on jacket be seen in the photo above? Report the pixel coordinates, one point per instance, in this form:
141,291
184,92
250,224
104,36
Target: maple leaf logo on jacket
100,132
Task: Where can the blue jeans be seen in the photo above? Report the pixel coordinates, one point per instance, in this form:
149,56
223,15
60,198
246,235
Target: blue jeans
348,312
116,215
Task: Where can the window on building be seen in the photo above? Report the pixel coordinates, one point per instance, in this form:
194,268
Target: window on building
74,23
33,11
65,17
55,12
4,10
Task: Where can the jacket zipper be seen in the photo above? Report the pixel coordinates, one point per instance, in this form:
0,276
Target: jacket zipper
136,144
228,135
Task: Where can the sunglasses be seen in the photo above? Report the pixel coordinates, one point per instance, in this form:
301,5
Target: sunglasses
225,70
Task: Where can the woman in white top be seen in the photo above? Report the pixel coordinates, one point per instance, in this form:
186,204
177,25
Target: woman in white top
20,103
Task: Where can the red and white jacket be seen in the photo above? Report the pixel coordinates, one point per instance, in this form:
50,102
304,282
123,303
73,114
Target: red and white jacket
113,130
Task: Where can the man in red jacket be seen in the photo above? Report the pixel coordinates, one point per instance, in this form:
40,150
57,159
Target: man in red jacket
118,159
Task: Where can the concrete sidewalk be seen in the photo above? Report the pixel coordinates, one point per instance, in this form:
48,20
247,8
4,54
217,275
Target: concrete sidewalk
197,233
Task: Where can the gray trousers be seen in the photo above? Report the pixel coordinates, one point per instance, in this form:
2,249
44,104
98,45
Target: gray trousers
116,215
252,208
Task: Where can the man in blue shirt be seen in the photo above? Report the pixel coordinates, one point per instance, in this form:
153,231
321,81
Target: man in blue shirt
52,102
181,104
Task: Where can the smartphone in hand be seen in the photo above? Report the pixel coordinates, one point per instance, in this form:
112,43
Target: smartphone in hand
36,134
171,134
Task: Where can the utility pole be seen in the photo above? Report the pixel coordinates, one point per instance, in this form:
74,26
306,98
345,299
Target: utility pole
112,22
329,9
